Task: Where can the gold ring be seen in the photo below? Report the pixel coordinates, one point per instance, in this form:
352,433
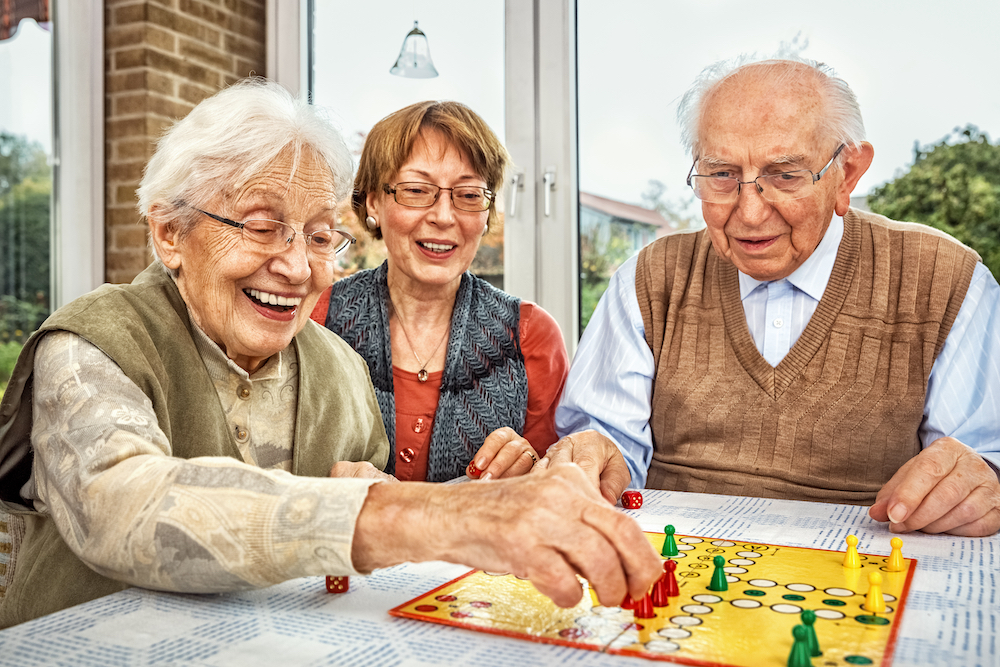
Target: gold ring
534,459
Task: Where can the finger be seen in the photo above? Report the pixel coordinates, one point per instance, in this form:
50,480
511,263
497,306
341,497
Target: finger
494,443
523,462
915,481
642,565
615,478
555,578
975,515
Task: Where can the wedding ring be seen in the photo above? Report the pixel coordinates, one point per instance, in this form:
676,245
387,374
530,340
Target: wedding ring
534,458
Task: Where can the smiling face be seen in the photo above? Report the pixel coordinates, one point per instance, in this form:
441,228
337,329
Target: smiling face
430,248
751,126
229,286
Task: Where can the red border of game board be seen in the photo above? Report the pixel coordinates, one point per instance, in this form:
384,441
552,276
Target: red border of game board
890,646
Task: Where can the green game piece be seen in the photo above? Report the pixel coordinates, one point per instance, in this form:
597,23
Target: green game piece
669,544
808,618
799,657
719,581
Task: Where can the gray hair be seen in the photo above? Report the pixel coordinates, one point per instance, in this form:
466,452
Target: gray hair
842,119
230,138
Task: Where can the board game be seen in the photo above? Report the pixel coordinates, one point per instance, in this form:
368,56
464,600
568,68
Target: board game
748,625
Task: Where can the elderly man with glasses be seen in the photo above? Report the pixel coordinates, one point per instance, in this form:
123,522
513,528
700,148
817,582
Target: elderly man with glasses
796,347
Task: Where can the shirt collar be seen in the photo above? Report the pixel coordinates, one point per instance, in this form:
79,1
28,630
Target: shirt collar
812,277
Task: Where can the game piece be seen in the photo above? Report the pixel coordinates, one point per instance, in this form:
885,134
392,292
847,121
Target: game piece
628,602
669,543
644,607
669,566
874,602
337,584
660,596
632,500
896,562
472,471
808,619
851,558
799,657
719,581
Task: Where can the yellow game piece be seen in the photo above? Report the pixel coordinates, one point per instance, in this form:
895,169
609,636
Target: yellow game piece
896,562
851,558
874,602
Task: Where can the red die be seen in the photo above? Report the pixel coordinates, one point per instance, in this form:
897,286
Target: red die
472,471
632,500
337,584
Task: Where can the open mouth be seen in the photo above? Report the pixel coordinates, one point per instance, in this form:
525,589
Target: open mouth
273,302
436,247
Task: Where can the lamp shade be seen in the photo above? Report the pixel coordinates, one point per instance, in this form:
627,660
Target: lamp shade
414,61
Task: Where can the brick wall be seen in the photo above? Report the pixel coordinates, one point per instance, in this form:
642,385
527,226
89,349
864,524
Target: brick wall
161,58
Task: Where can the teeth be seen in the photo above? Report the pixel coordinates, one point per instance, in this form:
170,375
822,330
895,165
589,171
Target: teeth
437,247
274,299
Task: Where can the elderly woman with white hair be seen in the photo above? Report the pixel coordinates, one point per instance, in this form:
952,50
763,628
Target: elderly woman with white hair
194,431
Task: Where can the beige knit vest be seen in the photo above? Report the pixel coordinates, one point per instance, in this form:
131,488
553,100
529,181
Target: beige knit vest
840,413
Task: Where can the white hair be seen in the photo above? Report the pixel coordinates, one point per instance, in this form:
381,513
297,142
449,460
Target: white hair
231,138
842,118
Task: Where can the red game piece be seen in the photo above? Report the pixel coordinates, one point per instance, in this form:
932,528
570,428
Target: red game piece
644,608
673,590
337,584
632,500
472,471
628,602
659,596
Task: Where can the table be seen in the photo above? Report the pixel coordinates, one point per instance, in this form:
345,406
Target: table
952,616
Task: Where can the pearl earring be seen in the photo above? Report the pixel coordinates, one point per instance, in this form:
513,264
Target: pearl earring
372,223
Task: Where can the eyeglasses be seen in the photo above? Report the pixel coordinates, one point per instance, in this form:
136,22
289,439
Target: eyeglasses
423,195
776,188
271,236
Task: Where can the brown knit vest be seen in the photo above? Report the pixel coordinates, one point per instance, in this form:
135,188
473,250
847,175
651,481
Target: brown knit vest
839,415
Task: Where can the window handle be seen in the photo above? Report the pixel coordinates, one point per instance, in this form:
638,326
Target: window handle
516,183
549,183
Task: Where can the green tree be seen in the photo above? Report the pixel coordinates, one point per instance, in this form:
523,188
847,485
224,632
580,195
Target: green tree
954,186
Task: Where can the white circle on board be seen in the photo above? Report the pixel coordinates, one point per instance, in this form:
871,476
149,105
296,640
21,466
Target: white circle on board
745,604
706,599
685,620
839,592
829,614
748,554
723,543
786,608
674,633
800,588
661,646
684,547
762,583
734,570
691,540
741,561
696,609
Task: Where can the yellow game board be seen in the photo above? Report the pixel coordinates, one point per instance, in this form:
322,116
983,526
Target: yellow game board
748,625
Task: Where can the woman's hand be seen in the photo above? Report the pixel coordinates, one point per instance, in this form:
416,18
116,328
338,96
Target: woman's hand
504,454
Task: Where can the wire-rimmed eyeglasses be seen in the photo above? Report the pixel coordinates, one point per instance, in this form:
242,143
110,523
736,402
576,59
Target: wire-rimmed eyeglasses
784,186
423,195
271,236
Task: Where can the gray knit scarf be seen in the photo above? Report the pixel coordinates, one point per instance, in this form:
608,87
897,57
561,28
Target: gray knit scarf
484,385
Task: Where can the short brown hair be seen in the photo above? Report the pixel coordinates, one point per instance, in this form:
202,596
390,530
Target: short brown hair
390,142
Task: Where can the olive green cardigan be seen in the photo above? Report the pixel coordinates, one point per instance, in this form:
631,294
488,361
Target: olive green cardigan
144,327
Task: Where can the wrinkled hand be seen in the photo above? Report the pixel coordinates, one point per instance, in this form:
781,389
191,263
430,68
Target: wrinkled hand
504,454
600,459
548,527
946,488
362,469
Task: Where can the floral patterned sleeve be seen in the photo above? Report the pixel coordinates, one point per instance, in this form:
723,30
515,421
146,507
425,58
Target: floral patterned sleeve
103,470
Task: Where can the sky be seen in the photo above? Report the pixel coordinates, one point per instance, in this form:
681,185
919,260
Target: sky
920,68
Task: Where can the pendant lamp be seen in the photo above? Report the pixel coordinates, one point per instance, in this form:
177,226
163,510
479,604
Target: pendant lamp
414,61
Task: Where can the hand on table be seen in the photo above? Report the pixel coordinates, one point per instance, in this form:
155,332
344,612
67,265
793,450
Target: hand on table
362,469
946,488
600,459
549,527
504,454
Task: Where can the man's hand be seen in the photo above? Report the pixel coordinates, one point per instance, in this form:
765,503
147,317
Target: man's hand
599,458
504,454
548,527
359,469
946,488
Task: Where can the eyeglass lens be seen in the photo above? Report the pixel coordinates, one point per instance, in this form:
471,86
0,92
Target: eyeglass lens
422,195
275,236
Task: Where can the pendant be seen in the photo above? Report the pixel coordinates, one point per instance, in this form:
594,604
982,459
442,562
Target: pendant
422,375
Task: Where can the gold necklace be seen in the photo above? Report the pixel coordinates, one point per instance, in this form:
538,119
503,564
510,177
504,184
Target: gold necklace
422,373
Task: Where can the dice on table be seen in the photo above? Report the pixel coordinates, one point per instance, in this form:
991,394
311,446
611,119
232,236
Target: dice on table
337,584
632,500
